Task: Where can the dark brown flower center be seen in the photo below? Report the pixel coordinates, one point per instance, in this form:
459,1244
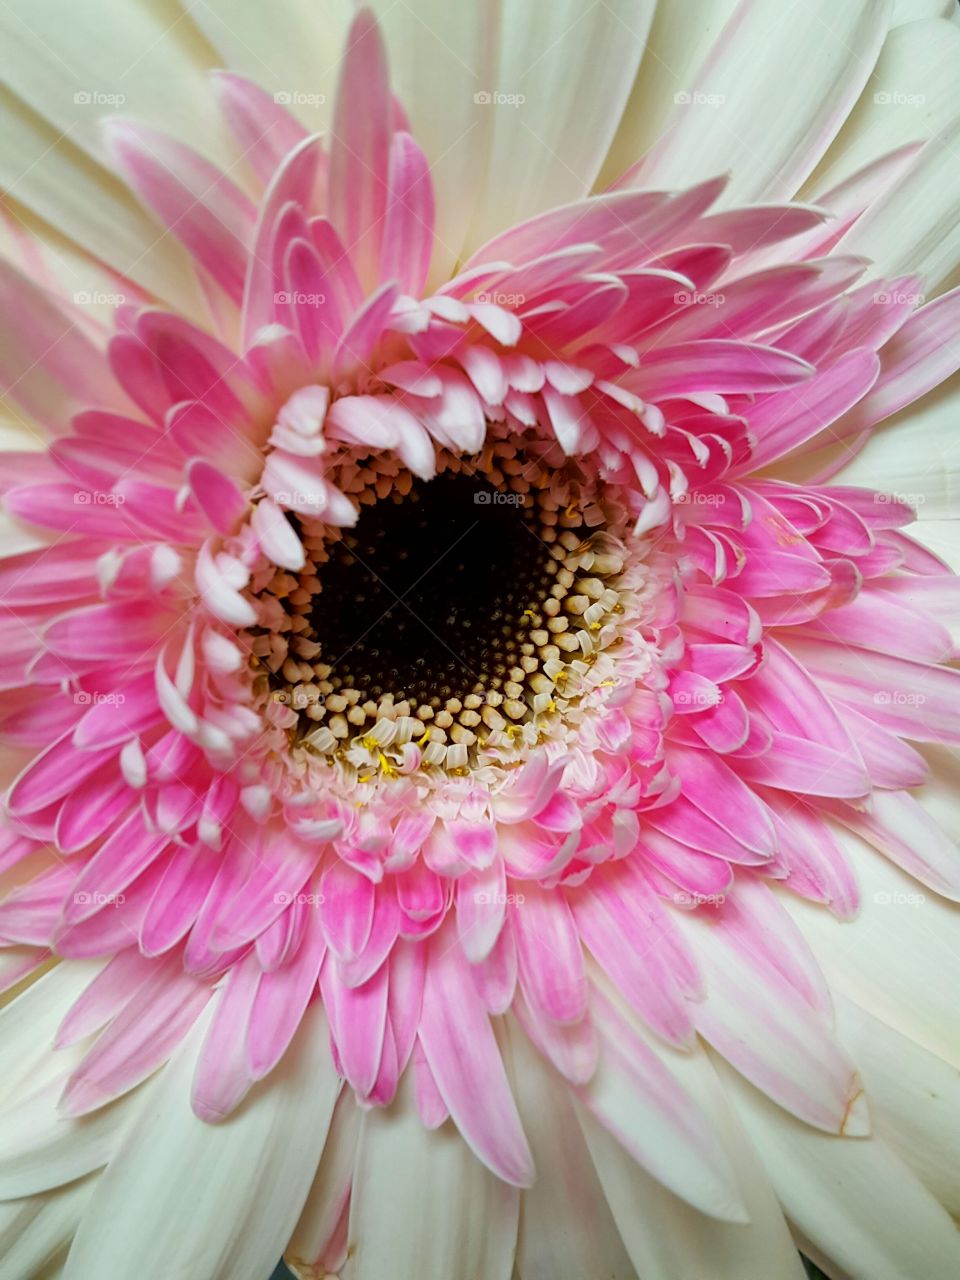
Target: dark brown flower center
450,610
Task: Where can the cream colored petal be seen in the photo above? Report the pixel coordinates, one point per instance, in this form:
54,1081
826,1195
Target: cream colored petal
916,454
914,1099
854,1198
44,171
216,1201
667,1238
682,34
565,73
441,56
291,48
74,64
770,97
915,226
422,1203
914,92
899,957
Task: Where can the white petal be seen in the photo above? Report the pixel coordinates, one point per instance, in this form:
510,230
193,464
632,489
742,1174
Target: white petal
914,10
564,77
43,170
28,1025
942,537
566,1228
682,34
117,58
40,1148
319,1227
423,1205
914,227
898,958
914,91
914,454
802,66
291,48
914,1099
666,1237
217,1201
34,1231
853,1198
441,55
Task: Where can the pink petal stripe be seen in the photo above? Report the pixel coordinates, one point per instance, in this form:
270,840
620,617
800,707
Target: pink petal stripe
280,1001
264,131
465,1060
202,207
360,146
409,227
141,1037
222,1076
551,960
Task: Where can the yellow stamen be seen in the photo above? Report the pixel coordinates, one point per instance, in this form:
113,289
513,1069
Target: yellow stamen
386,767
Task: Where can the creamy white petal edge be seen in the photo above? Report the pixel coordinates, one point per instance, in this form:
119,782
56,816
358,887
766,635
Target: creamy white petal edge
876,1207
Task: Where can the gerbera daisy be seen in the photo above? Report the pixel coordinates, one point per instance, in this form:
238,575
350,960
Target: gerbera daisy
479,779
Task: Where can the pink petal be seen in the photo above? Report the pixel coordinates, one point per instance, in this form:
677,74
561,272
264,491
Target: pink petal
464,1057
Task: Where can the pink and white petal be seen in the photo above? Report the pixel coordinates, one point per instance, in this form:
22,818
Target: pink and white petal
870,1218
403,1171
767,1030
637,1097
360,147
566,1228
223,1076
263,130
207,212
715,125
236,1212
139,1039
281,1001
466,1063
912,227
551,117
912,94
662,1233
904,977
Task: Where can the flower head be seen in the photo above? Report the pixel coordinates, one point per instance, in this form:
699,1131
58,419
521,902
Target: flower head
435,673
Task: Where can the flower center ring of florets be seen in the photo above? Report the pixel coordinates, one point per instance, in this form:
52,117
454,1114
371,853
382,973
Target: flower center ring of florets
459,622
